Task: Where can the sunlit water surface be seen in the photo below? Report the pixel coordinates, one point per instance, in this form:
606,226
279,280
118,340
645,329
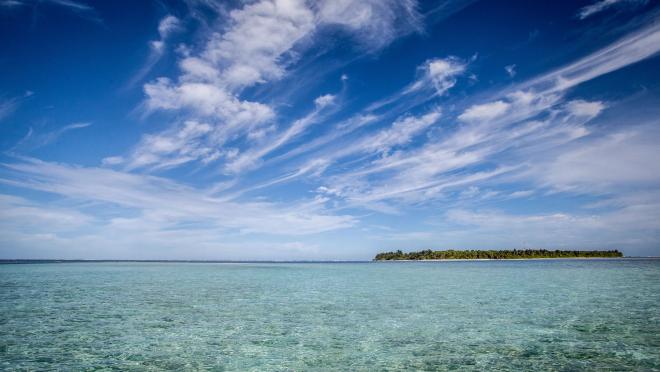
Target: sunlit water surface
509,315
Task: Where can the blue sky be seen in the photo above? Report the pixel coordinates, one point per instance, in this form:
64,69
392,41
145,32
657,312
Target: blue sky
332,129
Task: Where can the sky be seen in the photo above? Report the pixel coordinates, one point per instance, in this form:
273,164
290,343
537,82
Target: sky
327,130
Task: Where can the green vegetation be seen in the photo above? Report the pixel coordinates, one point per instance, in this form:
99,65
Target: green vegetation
472,254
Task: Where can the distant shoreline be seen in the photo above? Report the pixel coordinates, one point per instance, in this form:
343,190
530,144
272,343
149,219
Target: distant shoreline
494,254
517,259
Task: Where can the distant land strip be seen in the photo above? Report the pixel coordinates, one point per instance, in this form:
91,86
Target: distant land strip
493,255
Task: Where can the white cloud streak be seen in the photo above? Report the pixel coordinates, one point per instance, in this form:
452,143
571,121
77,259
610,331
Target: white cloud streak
166,27
34,140
83,10
169,204
249,158
602,5
7,107
622,159
628,50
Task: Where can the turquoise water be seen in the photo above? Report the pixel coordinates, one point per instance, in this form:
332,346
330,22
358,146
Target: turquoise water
509,315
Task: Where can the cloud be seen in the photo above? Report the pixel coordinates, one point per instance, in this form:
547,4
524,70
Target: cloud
34,140
510,70
393,138
166,205
256,45
7,107
41,230
172,148
534,117
621,159
22,214
630,49
499,137
499,221
75,5
479,151
81,9
596,7
68,128
375,23
603,5
438,73
250,157
340,130
205,100
112,160
11,3
521,194
521,123
485,111
253,48
443,72
249,51
583,108
225,117
401,132
324,100
166,27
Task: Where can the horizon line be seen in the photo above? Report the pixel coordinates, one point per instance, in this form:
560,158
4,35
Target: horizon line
58,260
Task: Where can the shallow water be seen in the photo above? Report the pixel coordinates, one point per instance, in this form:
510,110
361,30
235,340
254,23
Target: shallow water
509,315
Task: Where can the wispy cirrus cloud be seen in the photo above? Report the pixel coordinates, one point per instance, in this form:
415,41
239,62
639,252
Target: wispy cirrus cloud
34,140
605,164
167,26
81,9
249,158
494,138
11,3
21,214
632,48
7,106
40,230
434,78
171,204
532,115
256,45
602,5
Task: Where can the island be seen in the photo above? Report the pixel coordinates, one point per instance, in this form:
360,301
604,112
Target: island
492,254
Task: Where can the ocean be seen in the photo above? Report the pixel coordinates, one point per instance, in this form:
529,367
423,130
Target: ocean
463,315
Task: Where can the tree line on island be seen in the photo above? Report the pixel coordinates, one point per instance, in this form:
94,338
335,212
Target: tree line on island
493,254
